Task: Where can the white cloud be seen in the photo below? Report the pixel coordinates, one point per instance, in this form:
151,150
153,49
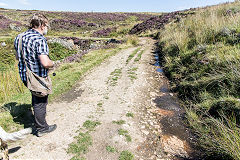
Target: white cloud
3,4
24,2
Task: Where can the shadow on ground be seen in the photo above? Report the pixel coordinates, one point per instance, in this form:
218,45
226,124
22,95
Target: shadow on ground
21,113
13,150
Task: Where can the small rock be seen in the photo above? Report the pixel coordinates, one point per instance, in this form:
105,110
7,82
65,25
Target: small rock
174,146
3,44
145,132
15,28
153,94
66,43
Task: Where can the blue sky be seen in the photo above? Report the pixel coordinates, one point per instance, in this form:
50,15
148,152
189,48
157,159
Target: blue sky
108,5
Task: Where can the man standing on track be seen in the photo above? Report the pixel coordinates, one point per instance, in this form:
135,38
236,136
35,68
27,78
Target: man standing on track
35,53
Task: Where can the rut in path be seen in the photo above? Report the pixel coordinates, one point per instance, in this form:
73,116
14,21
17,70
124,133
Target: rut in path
118,86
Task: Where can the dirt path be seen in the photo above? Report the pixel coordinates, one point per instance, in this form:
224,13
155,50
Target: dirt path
116,90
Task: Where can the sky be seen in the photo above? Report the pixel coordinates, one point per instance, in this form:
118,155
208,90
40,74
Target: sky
108,5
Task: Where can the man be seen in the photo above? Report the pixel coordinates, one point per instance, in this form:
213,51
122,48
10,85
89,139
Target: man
36,53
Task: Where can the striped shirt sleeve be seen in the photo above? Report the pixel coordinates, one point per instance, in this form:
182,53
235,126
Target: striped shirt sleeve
42,47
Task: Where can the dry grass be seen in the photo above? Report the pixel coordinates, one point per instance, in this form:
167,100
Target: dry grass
10,84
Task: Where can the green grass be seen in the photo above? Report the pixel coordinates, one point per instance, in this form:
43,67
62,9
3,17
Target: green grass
83,141
100,104
59,52
114,76
132,73
125,134
78,158
130,114
120,122
229,134
139,56
111,149
126,155
132,55
91,125
106,97
200,55
81,146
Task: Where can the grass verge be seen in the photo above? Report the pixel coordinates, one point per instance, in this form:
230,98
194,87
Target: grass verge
200,55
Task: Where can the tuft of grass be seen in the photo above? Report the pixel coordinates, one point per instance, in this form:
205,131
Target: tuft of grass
132,40
111,149
114,76
132,55
130,114
228,133
132,73
78,158
125,134
126,155
91,125
100,104
106,97
83,140
81,146
120,122
139,56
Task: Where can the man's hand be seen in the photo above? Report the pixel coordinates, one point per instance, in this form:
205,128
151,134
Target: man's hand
45,61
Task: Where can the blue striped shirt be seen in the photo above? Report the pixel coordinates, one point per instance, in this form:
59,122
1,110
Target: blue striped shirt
34,44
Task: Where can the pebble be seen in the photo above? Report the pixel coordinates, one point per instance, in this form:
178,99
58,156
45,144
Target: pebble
3,44
145,132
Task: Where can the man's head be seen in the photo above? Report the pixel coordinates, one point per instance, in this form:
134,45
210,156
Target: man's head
39,22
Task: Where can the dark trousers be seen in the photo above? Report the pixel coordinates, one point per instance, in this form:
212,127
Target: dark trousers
39,108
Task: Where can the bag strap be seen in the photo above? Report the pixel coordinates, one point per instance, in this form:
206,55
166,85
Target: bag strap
21,48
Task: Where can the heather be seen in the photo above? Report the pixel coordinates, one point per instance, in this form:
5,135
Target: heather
74,23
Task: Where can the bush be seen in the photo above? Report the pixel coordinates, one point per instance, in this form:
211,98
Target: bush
58,52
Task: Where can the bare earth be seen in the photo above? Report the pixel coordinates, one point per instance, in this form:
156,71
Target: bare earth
98,97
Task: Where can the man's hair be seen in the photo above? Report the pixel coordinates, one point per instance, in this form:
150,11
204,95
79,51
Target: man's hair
38,20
